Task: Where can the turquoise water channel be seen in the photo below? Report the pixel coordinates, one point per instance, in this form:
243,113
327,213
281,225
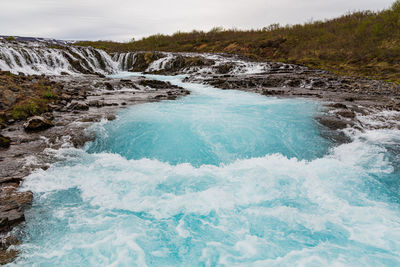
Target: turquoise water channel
217,178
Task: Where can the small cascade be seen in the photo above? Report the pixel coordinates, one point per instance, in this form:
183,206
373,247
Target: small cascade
160,64
125,61
42,58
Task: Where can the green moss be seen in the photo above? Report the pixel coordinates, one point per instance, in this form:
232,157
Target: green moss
48,94
31,107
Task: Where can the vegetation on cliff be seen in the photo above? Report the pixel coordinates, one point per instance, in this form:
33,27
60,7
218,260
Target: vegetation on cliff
362,43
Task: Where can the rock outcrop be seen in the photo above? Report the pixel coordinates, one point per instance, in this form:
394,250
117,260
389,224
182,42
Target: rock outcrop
12,207
37,123
5,141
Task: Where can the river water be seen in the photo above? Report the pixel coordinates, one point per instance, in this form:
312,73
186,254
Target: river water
217,178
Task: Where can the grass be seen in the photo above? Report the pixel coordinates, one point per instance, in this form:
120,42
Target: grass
28,108
33,106
31,96
363,43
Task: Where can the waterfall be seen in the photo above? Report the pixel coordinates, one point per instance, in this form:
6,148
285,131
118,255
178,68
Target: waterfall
43,58
125,61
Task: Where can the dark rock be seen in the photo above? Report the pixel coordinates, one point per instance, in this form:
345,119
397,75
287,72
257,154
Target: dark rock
81,139
180,62
143,61
272,92
66,97
12,206
157,84
319,84
5,141
333,123
160,96
78,106
109,86
224,68
294,83
346,114
7,255
37,123
64,73
338,105
96,103
111,117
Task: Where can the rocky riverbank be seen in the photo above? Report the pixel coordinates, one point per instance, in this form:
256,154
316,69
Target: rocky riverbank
84,99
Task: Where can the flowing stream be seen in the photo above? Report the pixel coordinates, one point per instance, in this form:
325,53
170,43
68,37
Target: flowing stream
217,178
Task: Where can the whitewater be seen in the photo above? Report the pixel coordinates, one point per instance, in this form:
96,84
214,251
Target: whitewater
217,178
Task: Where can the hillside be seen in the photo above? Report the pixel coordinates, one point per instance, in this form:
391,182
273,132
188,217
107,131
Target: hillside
361,43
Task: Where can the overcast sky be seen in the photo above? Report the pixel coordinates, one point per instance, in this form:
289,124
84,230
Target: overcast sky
123,19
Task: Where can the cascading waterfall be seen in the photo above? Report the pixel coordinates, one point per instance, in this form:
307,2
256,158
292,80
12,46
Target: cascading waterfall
40,58
55,59
125,61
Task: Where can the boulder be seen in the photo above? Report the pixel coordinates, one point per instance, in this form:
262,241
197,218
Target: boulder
78,106
5,141
37,123
224,68
96,103
333,123
109,86
157,84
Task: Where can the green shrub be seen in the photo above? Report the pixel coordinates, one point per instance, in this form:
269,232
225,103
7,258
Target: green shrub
48,94
31,107
10,38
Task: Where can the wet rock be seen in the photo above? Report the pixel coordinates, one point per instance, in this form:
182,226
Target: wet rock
78,106
346,114
272,92
157,84
338,105
5,141
7,255
12,206
180,63
66,97
96,103
81,139
109,86
37,123
319,84
294,83
111,117
143,61
224,68
333,123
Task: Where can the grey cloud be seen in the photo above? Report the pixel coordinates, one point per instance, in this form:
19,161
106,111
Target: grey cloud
123,19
